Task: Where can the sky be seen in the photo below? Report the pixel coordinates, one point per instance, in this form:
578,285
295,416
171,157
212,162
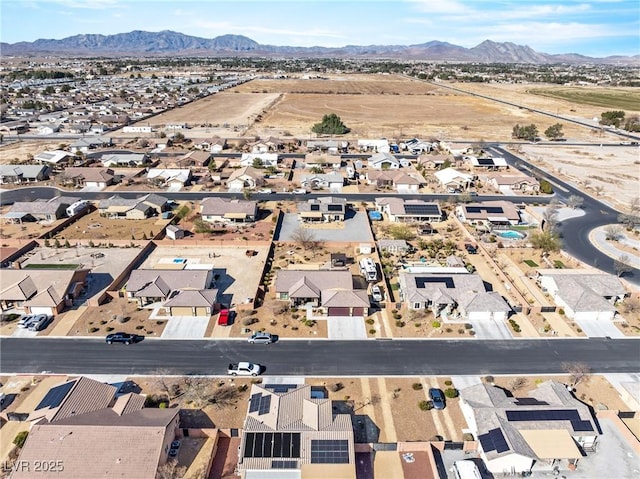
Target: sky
595,28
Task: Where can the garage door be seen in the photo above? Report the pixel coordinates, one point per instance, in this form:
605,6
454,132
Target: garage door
358,312
203,311
181,311
338,312
41,310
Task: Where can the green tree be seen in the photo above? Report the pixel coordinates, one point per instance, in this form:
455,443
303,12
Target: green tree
525,132
546,187
402,232
554,132
632,123
257,163
201,226
612,118
331,124
547,241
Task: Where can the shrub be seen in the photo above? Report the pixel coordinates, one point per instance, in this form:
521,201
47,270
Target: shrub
436,324
425,405
139,327
109,329
335,387
448,382
372,331
451,393
448,330
400,324
416,386
20,438
104,321
468,326
397,316
369,321
94,330
489,379
248,321
467,436
561,312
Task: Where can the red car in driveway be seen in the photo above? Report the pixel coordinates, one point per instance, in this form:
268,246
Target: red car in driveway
223,317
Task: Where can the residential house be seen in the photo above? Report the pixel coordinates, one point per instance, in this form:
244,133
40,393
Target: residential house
386,161
16,174
452,294
401,181
270,144
245,177
80,417
82,177
40,291
48,129
540,433
453,180
332,291
331,181
399,210
265,159
488,164
40,210
124,160
518,182
417,146
324,209
181,292
434,162
332,147
198,158
87,143
319,159
132,208
213,145
54,157
215,209
583,295
394,246
291,432
496,213
173,178
378,146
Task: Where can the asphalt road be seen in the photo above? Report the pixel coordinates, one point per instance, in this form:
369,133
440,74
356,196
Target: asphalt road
575,231
319,357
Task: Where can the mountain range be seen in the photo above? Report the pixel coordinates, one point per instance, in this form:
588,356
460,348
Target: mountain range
141,43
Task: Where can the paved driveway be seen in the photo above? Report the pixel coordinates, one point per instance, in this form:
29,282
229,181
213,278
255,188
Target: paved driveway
24,333
595,328
346,327
491,329
186,327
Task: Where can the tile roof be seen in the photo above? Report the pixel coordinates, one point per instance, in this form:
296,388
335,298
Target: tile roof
158,280
215,206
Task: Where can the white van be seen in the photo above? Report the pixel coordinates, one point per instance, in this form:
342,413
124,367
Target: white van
466,469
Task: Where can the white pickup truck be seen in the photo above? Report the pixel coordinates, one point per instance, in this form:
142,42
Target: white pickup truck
244,369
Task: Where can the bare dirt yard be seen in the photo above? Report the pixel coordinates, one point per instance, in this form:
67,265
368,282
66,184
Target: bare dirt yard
19,151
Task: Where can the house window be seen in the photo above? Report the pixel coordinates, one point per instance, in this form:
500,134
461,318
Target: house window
284,296
416,305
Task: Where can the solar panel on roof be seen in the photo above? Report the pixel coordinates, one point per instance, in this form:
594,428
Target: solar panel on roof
530,402
265,404
485,161
315,207
329,451
570,415
334,207
254,402
422,209
55,396
272,444
493,441
284,464
280,388
487,209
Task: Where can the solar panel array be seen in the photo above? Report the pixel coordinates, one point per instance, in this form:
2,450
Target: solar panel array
570,415
487,209
259,403
55,395
530,402
328,451
429,209
280,388
486,161
422,281
272,444
493,441
315,207
334,207
284,464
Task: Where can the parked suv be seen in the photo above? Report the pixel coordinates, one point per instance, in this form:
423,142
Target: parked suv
40,322
25,321
437,398
376,294
125,338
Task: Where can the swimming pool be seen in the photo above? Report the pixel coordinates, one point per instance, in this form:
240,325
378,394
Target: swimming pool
510,234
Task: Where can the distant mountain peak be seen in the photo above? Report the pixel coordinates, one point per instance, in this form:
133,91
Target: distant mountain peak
139,42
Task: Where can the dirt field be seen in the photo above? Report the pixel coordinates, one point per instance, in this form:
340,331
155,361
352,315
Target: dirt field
611,173
18,151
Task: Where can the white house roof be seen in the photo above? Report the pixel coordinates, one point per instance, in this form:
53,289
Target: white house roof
54,156
451,174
